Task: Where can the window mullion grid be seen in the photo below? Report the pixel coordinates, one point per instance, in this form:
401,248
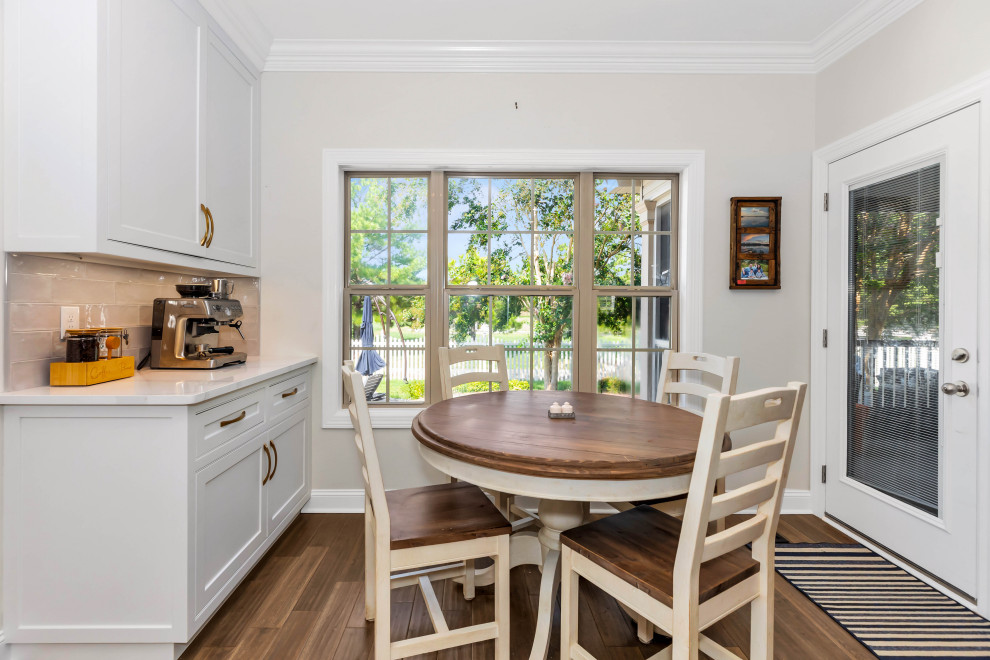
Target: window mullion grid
437,302
491,312
388,237
388,343
532,343
583,292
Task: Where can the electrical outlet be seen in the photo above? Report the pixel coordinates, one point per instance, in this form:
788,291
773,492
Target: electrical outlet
69,320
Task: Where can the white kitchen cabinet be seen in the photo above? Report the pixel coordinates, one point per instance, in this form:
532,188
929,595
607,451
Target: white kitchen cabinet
229,150
230,518
124,120
153,116
127,524
288,443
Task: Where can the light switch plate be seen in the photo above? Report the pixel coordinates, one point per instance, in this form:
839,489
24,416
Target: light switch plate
69,320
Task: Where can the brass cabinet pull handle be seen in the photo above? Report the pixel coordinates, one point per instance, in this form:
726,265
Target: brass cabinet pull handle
276,461
228,422
295,390
268,472
206,214
213,226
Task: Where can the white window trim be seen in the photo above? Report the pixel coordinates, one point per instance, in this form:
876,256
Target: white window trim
690,165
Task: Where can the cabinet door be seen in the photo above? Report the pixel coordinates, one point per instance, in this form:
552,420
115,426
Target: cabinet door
154,91
230,151
290,477
230,518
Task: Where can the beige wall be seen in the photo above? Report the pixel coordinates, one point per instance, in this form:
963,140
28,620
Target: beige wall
757,132
935,46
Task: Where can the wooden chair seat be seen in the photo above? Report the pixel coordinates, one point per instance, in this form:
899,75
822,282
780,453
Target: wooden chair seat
444,513
639,546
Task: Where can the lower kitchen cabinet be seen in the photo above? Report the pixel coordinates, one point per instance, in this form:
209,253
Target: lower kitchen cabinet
230,518
127,526
290,469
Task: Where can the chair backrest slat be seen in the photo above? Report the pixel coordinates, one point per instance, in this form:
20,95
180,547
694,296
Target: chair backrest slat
742,498
750,456
724,413
674,364
364,439
734,537
471,377
755,408
493,355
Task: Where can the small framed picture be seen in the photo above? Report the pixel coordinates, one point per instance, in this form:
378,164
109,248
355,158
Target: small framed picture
754,257
754,270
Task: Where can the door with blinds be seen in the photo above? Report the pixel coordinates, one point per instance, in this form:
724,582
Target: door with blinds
902,269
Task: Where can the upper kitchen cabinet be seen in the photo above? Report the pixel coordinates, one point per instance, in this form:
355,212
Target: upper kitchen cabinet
229,150
132,134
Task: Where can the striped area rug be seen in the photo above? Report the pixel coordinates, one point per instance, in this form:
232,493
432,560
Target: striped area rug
890,611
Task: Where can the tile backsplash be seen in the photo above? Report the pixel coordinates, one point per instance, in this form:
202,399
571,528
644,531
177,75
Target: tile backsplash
117,296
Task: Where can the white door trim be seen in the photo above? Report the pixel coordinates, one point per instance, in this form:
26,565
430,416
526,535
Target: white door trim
689,164
973,91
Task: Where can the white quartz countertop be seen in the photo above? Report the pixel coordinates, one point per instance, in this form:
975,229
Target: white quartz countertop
162,387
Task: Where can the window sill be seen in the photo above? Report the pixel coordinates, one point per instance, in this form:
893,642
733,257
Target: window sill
394,418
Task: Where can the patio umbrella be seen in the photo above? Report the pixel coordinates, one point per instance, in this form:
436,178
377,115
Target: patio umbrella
370,361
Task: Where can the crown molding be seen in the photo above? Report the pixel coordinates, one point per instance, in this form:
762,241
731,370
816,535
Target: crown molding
537,56
385,55
243,27
855,27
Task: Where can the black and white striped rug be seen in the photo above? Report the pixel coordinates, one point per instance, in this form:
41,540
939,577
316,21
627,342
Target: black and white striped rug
890,611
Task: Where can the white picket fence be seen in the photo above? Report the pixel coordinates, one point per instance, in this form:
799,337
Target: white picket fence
409,360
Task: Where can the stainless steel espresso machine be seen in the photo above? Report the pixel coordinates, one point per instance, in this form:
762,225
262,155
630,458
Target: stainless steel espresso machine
180,327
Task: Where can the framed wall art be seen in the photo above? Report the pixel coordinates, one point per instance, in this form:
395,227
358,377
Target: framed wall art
754,258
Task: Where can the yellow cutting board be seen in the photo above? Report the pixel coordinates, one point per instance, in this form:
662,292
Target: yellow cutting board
91,373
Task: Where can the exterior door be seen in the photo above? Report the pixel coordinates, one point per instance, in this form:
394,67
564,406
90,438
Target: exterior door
902,411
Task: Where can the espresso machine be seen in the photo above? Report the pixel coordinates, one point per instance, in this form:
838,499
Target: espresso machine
181,327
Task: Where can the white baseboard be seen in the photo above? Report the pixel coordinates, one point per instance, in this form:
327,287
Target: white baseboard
351,500
796,501
335,500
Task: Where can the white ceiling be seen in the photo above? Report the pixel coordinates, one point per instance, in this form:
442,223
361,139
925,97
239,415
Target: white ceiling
552,20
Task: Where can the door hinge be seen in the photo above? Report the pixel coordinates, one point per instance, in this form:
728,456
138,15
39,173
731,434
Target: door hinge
824,470
825,338
826,202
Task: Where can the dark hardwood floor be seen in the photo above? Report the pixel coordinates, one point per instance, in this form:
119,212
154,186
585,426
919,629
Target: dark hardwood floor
305,600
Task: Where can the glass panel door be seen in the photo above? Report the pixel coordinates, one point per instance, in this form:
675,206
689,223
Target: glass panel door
893,402
901,422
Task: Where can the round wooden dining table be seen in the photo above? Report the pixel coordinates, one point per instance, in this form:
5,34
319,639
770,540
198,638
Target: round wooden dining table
616,449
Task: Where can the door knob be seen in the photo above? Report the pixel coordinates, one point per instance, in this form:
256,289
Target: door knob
960,355
959,388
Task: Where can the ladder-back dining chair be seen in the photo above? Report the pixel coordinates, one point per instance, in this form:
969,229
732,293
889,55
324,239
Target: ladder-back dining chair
492,356
726,369
494,370
414,529
678,574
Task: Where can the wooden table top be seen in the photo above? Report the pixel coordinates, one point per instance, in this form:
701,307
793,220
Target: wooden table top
612,437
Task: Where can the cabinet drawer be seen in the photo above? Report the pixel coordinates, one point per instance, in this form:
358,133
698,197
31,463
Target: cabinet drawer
284,395
212,428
